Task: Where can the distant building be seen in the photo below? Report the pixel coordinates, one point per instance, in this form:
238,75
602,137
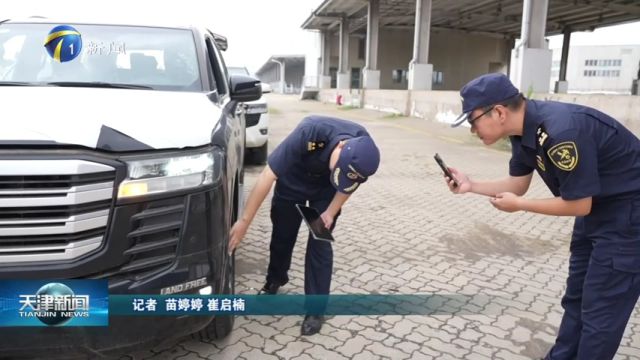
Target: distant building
599,69
293,68
425,45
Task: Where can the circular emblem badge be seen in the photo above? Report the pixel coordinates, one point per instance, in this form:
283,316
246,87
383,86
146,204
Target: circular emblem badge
52,290
564,155
352,176
63,43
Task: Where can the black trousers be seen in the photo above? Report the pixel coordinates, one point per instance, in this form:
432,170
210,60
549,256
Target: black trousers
318,265
604,282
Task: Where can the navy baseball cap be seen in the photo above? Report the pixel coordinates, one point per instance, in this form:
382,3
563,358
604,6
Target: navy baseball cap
359,159
483,91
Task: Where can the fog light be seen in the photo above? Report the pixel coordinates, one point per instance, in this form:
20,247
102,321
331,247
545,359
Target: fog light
263,131
207,290
133,189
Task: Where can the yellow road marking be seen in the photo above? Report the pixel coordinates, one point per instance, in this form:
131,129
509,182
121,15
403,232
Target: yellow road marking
450,139
410,129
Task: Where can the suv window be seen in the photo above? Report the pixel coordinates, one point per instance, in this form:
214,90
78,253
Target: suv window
218,71
159,58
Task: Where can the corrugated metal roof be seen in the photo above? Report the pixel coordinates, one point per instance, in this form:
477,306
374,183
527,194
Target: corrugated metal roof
501,18
288,60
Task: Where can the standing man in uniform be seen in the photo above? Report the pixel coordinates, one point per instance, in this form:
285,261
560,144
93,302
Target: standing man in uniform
323,161
591,164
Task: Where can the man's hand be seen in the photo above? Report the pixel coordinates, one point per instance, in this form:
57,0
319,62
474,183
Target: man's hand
238,230
464,184
255,199
327,217
506,201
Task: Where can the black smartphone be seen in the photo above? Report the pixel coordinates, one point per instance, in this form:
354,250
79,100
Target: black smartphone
316,226
445,169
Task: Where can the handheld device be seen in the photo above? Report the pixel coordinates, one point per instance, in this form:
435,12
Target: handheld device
316,226
445,169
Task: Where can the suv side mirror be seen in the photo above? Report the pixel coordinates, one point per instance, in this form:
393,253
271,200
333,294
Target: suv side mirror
244,88
266,88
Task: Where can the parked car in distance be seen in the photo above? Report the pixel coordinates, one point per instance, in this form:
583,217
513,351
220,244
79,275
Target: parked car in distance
257,115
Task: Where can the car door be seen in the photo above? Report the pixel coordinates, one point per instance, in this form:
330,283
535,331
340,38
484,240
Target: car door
233,119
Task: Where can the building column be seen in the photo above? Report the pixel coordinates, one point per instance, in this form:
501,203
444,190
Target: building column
562,86
324,80
530,59
344,75
370,73
281,73
420,71
635,84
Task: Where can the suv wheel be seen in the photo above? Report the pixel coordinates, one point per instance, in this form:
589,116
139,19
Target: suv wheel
222,325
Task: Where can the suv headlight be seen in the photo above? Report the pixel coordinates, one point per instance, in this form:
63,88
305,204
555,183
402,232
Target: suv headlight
164,174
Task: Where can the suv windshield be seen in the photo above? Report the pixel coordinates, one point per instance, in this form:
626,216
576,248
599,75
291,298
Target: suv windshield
143,57
237,70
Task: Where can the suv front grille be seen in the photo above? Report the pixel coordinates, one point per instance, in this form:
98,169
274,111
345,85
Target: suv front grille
153,241
252,119
53,210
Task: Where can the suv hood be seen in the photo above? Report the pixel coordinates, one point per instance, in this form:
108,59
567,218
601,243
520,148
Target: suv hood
106,119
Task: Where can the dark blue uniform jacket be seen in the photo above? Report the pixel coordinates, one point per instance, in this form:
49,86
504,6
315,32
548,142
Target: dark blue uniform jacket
581,152
301,161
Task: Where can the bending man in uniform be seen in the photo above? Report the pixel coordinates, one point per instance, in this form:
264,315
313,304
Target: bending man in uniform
591,164
323,161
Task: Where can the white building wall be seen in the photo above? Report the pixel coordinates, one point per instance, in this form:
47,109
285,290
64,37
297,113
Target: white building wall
607,69
445,106
312,60
395,50
456,57
271,76
293,77
462,57
356,59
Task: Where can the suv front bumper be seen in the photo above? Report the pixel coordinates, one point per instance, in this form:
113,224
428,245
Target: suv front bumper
257,132
150,245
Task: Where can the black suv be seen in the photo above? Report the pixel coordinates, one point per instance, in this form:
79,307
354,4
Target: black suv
121,158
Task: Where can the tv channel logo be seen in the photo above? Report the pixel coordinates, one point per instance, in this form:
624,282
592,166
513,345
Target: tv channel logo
54,303
63,43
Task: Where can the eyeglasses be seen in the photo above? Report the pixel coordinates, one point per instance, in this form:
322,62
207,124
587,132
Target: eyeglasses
479,116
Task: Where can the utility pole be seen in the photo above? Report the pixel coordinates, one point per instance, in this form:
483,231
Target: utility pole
281,74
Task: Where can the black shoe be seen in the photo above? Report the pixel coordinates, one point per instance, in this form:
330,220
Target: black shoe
269,289
311,324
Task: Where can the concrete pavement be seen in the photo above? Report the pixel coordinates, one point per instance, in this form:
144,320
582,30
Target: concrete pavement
403,232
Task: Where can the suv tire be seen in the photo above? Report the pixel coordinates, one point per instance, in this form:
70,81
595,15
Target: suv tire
220,326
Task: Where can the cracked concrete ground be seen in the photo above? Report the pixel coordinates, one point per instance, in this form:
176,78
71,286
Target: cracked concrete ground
404,233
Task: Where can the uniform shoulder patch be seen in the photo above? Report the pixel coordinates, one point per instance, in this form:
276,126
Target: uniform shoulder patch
540,163
315,145
564,155
542,135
